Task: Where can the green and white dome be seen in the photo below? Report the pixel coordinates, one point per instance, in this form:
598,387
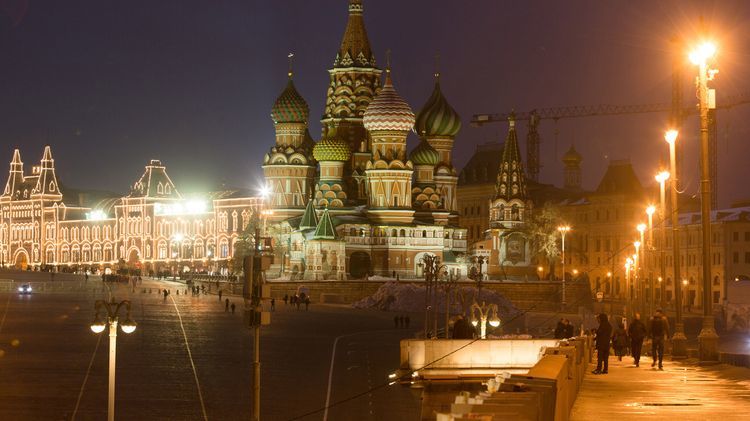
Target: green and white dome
437,118
290,107
424,154
332,149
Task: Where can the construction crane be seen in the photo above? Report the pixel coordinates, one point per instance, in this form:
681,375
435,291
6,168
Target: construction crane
533,117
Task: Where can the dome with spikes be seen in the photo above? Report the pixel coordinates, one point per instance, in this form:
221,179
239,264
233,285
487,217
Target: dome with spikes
331,149
572,155
290,107
437,117
388,111
424,154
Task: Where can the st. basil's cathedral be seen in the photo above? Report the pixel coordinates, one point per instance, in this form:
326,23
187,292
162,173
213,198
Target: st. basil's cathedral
356,203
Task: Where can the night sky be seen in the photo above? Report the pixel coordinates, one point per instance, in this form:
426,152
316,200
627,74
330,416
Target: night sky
112,84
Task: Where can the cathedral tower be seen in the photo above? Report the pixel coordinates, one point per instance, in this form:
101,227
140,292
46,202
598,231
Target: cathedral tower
510,210
289,167
332,153
388,119
438,123
354,82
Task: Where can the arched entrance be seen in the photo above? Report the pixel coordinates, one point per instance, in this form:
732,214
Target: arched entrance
22,260
359,264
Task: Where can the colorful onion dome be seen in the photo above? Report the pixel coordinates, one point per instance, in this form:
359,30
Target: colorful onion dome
388,111
424,154
290,107
572,155
437,117
332,148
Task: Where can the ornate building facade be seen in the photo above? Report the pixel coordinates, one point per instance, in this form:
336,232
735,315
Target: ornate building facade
356,203
153,228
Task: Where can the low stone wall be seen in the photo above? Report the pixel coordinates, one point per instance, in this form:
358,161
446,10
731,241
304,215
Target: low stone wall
546,392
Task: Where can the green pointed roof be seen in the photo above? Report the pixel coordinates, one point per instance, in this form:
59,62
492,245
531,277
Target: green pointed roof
325,229
424,154
290,107
309,218
437,117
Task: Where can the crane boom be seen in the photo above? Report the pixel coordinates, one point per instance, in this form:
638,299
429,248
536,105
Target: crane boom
557,113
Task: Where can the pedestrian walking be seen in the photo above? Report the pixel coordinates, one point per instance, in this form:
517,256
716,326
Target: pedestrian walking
273,304
226,305
620,340
637,332
658,332
307,303
232,308
603,337
220,293
286,299
407,320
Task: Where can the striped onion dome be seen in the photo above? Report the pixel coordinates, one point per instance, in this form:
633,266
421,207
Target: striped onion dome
290,107
437,117
424,154
331,149
388,111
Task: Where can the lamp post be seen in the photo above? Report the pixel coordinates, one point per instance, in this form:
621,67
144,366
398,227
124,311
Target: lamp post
662,177
707,339
650,210
679,349
112,310
432,268
478,276
640,251
564,229
484,312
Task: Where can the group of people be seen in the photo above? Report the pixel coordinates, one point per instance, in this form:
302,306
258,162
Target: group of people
296,300
622,339
401,321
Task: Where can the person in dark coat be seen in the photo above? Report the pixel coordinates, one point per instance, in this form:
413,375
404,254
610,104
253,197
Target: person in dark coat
569,333
659,332
620,340
603,337
637,332
560,329
462,329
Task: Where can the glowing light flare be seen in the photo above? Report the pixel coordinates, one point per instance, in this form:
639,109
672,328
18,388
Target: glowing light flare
702,53
96,215
662,176
641,228
650,210
671,136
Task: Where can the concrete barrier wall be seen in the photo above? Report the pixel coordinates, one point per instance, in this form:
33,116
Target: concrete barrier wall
556,378
457,354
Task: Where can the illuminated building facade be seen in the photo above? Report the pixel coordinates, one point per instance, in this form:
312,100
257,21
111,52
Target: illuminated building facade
356,203
153,228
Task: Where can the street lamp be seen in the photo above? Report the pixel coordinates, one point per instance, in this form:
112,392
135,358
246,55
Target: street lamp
662,178
431,268
112,310
477,275
484,312
564,229
540,269
650,210
640,251
708,339
679,349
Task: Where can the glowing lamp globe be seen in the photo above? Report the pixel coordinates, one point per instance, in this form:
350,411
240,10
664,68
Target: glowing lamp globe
128,326
98,326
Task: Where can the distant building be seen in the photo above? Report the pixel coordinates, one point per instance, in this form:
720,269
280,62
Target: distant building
355,203
153,228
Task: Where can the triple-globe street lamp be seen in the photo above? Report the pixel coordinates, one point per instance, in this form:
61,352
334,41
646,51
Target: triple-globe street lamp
110,311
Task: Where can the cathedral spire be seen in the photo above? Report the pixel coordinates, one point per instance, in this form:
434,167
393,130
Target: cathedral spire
355,48
511,181
47,181
309,218
325,230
